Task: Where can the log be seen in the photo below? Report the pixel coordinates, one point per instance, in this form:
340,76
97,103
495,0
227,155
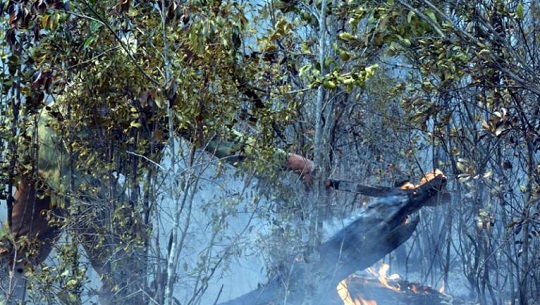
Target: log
381,227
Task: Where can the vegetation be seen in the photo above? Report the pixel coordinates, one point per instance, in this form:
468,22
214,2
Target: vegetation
374,92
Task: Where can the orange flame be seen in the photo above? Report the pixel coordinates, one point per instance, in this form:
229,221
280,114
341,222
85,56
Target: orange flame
383,278
344,294
392,282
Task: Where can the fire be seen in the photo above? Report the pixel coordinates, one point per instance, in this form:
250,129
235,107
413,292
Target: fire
361,290
345,295
383,278
441,290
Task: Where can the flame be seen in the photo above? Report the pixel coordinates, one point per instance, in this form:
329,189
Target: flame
352,297
383,277
441,290
344,294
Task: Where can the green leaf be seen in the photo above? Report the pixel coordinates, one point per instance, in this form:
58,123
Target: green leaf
410,15
405,41
329,84
305,48
345,79
345,36
88,42
45,21
519,10
344,55
135,124
433,18
303,70
370,71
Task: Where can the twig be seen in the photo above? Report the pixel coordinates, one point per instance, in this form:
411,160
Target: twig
146,158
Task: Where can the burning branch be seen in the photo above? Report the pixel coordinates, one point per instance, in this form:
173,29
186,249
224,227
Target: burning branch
381,227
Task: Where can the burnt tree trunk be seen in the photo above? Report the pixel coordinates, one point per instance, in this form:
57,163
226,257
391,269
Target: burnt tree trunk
382,226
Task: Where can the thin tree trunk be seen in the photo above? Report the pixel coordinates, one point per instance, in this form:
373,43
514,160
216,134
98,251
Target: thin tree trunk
318,197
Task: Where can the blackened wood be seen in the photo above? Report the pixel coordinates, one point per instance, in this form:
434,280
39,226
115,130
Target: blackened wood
436,184
367,190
